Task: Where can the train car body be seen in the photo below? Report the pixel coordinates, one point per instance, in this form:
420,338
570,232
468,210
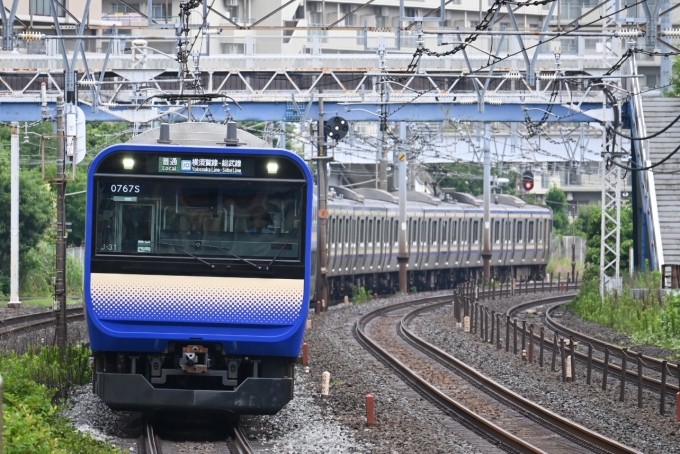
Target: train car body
444,240
197,276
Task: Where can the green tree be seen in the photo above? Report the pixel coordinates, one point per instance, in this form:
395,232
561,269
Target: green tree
674,89
36,211
594,242
99,136
469,178
556,199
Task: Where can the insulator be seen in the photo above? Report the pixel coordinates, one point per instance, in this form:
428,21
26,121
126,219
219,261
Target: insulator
547,76
494,101
30,36
628,33
466,100
87,82
513,75
672,32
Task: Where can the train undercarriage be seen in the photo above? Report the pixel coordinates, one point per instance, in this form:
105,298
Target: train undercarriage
428,280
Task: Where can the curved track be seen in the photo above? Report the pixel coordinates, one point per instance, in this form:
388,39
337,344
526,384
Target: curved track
571,434
616,352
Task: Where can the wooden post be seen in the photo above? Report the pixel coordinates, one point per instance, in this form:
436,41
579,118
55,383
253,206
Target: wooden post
524,334
493,319
540,350
562,357
590,362
498,331
514,336
507,333
662,405
639,380
605,369
554,352
624,358
305,354
573,358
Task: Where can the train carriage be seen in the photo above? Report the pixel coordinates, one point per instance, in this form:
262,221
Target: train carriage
197,276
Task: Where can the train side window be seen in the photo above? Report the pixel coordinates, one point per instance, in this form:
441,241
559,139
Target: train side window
454,232
332,235
347,230
414,232
423,231
444,231
497,232
508,231
361,232
377,231
434,232
386,234
530,233
395,238
464,232
520,237
475,232
369,232
539,231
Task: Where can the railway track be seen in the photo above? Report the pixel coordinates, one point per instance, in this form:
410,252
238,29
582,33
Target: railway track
598,347
170,438
539,430
28,322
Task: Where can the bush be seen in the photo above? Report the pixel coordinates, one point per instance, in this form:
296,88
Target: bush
32,421
360,295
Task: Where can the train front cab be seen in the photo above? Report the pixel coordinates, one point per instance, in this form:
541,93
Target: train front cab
190,318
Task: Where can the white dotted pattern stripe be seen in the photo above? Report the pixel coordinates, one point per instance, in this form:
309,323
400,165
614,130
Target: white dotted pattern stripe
196,299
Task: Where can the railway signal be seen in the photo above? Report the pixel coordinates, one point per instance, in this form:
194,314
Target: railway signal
528,181
336,128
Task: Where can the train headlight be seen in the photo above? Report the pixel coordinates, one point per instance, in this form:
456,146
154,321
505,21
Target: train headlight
128,163
272,167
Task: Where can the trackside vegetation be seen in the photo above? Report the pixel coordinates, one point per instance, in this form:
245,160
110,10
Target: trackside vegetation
648,318
35,386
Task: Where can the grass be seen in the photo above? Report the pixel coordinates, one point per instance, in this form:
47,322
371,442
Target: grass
562,265
648,320
34,388
40,301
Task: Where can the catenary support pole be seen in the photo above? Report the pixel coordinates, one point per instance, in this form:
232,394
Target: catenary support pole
486,246
60,284
402,257
14,219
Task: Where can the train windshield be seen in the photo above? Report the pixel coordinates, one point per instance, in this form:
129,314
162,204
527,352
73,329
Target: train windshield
209,218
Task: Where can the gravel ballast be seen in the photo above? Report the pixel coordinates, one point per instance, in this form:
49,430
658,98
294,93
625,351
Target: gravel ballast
405,421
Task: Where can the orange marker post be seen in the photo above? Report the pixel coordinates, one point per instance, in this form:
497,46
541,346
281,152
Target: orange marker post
305,354
370,410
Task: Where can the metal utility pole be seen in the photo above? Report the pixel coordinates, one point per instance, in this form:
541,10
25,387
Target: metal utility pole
402,257
14,302
322,281
382,151
60,284
486,246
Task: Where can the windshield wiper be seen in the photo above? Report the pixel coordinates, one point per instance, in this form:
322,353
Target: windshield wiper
233,255
282,247
187,253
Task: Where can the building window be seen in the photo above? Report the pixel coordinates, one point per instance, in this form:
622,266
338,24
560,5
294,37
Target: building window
43,8
159,11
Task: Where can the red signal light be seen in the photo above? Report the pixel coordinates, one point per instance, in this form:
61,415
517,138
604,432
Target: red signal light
528,181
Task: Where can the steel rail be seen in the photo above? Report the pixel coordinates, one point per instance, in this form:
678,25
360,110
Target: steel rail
149,441
558,424
464,415
33,321
241,440
613,369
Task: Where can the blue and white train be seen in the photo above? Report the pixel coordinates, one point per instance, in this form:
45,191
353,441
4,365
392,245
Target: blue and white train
197,276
